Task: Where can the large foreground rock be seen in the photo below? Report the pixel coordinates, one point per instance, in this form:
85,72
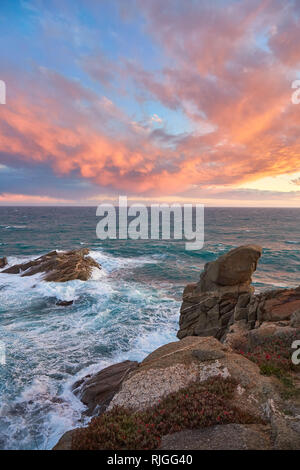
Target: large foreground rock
65,442
96,391
221,437
58,266
196,359
295,319
175,365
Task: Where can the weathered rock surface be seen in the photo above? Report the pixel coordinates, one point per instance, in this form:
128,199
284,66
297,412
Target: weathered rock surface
237,337
58,266
3,262
235,268
213,308
175,365
286,433
97,391
273,331
209,314
241,337
278,305
285,428
221,437
295,319
195,359
65,442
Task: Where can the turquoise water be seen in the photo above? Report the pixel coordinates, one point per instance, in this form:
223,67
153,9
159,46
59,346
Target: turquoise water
125,312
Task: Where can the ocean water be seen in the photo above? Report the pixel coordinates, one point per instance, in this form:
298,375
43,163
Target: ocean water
124,312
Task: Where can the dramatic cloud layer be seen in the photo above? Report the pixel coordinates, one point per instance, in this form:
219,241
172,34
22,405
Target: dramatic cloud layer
152,99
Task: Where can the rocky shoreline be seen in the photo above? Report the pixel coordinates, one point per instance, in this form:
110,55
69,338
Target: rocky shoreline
222,323
228,383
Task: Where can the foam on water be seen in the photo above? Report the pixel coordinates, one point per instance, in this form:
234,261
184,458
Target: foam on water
125,311
49,347
112,263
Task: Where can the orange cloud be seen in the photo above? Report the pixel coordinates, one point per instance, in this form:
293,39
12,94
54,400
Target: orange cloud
234,91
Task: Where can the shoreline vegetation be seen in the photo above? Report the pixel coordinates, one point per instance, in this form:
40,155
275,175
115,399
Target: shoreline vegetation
228,383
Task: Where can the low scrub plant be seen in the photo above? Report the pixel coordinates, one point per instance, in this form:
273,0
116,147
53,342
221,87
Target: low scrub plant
274,358
198,405
274,353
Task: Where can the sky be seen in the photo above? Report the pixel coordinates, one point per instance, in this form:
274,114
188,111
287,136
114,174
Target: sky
157,100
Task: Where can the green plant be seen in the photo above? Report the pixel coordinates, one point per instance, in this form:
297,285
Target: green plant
198,405
274,359
269,369
275,352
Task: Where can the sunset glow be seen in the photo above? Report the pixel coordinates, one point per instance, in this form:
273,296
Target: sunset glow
150,99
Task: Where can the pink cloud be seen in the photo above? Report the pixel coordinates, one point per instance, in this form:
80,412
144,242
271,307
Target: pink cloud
230,71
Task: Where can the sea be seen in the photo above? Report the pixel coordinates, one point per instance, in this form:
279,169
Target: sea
125,311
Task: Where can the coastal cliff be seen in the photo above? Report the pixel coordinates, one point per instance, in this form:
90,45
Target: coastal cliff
228,383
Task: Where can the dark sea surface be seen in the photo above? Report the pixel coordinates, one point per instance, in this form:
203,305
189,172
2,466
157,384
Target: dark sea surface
124,312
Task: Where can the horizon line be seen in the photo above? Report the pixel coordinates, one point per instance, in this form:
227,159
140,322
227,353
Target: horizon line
205,206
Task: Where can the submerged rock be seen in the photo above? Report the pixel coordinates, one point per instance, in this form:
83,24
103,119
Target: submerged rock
64,303
3,262
58,266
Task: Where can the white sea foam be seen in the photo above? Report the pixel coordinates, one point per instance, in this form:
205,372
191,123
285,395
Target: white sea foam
98,274
49,347
14,226
111,263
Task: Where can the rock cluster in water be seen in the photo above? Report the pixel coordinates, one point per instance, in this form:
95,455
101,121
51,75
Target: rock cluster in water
58,266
